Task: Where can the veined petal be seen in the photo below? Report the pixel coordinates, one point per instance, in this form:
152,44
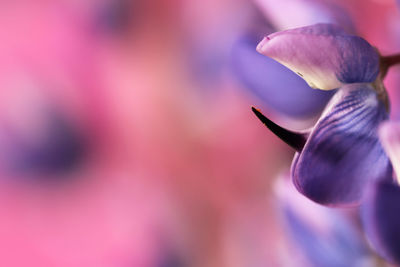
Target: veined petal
323,54
277,87
381,219
336,162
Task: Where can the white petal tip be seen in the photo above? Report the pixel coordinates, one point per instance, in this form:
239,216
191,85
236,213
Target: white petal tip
261,46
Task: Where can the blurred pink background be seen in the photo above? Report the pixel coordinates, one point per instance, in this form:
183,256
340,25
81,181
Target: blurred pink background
125,140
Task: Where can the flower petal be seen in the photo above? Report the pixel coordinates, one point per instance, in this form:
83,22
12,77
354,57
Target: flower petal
334,167
277,87
381,219
325,236
324,55
389,134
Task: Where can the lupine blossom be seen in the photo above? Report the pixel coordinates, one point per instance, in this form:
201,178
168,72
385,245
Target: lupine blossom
341,161
326,168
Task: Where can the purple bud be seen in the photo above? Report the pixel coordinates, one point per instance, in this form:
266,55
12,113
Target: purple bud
323,55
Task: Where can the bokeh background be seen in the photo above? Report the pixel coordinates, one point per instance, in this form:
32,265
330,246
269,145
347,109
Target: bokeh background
126,134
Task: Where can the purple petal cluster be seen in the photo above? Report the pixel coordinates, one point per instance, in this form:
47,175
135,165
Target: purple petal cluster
348,156
333,166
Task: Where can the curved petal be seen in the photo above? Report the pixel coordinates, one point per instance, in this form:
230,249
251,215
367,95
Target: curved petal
334,167
324,55
278,87
381,219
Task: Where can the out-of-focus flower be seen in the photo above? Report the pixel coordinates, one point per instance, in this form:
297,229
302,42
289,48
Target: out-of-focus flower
106,18
380,209
44,90
114,16
299,13
208,41
322,236
58,149
380,213
323,55
109,213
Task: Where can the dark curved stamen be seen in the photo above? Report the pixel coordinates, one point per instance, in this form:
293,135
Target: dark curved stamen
294,139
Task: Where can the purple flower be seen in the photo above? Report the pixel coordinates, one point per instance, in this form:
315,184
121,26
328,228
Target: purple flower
334,159
323,55
61,148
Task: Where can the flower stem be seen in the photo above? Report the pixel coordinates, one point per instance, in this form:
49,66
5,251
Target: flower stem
391,60
386,62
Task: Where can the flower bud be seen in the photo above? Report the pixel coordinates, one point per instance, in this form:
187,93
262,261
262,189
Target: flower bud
323,55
